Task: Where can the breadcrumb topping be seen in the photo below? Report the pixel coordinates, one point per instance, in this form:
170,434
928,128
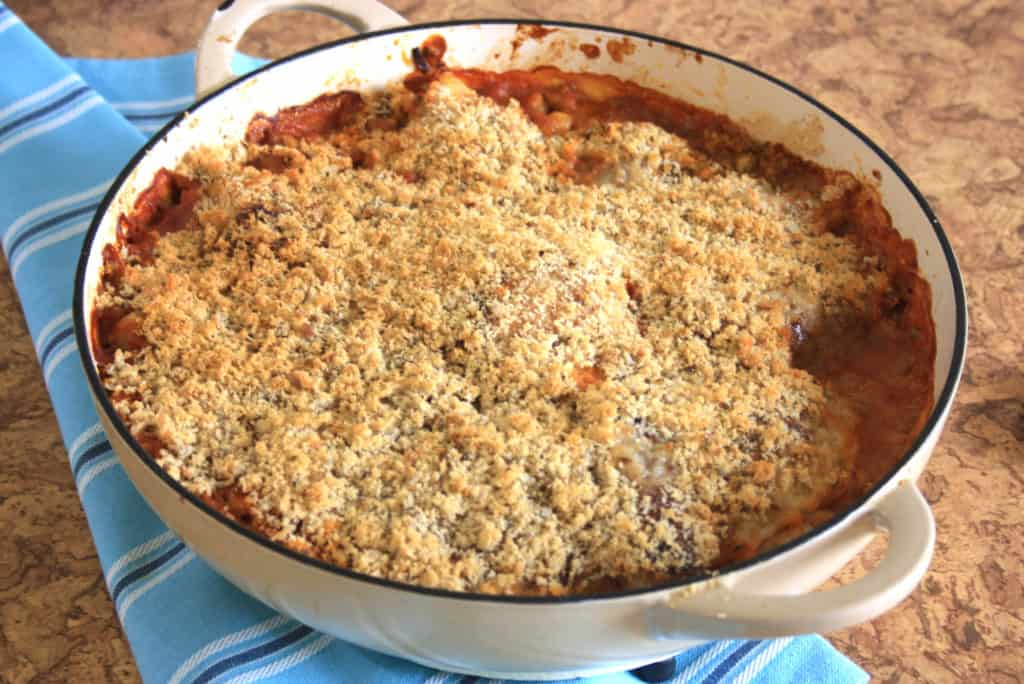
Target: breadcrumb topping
467,355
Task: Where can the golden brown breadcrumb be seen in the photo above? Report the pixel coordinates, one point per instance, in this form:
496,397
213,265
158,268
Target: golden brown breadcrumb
433,355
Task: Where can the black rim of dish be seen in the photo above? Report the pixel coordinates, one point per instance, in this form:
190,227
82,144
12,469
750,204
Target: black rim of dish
941,405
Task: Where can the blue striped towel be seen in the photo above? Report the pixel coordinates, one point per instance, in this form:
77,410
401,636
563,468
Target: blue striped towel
66,129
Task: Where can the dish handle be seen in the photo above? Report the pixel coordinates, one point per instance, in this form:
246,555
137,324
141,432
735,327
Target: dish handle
233,18
717,609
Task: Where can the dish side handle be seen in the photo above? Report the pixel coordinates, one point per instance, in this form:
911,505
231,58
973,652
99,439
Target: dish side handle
722,611
232,19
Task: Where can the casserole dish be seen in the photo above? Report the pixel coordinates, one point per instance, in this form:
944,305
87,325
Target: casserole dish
521,637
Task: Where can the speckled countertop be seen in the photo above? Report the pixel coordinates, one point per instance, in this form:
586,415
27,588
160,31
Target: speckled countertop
937,84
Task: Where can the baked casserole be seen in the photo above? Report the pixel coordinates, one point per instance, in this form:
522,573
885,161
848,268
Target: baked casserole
530,332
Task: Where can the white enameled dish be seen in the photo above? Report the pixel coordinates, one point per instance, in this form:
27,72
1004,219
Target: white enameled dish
546,638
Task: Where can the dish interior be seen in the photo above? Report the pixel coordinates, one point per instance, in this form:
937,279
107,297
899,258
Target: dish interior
708,82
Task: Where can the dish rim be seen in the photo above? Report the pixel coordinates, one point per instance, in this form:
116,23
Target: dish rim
101,396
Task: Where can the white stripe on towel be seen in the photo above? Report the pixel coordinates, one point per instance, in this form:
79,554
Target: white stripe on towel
30,100
96,469
52,206
226,642
280,666
53,239
63,316
438,678
155,104
762,660
701,662
84,437
47,126
67,348
153,582
8,23
136,553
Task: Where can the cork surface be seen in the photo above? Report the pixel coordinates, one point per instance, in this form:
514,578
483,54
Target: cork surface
937,85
